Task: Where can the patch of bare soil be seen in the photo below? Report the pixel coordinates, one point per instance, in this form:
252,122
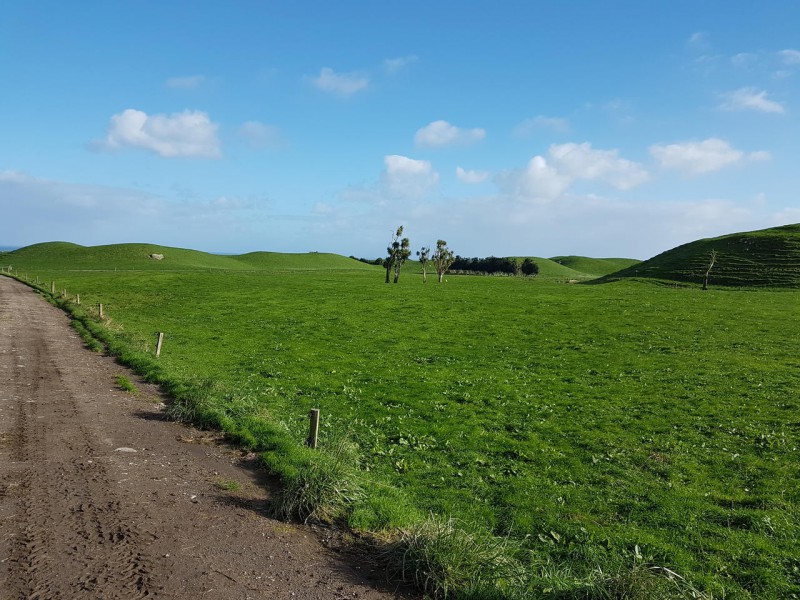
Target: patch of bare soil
101,497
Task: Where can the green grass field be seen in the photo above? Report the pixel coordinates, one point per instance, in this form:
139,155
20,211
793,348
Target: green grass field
607,435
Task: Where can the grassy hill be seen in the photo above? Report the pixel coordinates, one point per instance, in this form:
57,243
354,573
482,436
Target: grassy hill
137,257
763,258
594,266
128,257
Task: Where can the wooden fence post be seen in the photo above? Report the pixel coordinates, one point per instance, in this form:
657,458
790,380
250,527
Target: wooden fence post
158,345
78,299
313,429
100,309
53,288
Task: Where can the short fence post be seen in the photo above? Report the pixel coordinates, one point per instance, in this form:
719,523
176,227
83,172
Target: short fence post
78,299
158,345
53,288
100,310
313,429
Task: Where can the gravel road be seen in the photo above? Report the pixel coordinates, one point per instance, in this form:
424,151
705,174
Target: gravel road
100,497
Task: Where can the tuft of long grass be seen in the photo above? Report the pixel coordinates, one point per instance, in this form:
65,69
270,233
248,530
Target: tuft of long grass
126,384
445,559
319,485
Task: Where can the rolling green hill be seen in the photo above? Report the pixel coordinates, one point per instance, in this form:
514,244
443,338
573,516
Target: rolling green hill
763,258
136,257
595,266
127,257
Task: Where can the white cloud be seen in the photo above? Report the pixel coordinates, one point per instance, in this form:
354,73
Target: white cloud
790,57
187,134
537,182
529,126
341,84
392,65
750,98
471,176
581,161
695,158
407,177
441,133
545,179
259,135
185,83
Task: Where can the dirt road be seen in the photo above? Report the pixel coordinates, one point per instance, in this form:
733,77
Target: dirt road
100,497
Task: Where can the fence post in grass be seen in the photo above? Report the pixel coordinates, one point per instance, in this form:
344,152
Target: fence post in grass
158,345
313,429
78,299
100,310
53,288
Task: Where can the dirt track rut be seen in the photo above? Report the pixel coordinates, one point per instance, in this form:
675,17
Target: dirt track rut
100,497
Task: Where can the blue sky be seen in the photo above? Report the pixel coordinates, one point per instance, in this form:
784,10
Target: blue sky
505,128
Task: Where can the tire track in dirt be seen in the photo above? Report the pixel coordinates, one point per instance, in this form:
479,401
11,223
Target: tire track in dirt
101,498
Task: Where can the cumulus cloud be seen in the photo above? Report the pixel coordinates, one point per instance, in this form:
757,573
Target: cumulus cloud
341,84
529,126
581,161
441,133
545,179
750,98
471,176
187,134
538,181
408,177
185,83
696,158
392,65
259,136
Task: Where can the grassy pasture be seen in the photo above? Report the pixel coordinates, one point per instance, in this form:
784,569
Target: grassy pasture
599,428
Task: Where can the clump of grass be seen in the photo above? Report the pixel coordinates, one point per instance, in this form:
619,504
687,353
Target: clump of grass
91,342
228,485
126,384
319,485
445,559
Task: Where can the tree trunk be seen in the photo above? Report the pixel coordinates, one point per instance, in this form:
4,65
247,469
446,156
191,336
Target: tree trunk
388,269
424,276
441,274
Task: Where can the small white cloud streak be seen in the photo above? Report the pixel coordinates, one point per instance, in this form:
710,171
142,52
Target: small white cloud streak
750,98
189,134
471,176
790,56
185,83
529,126
440,133
697,158
40,210
392,65
340,84
699,40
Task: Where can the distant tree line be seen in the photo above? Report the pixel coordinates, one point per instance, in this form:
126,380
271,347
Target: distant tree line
494,265
442,260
